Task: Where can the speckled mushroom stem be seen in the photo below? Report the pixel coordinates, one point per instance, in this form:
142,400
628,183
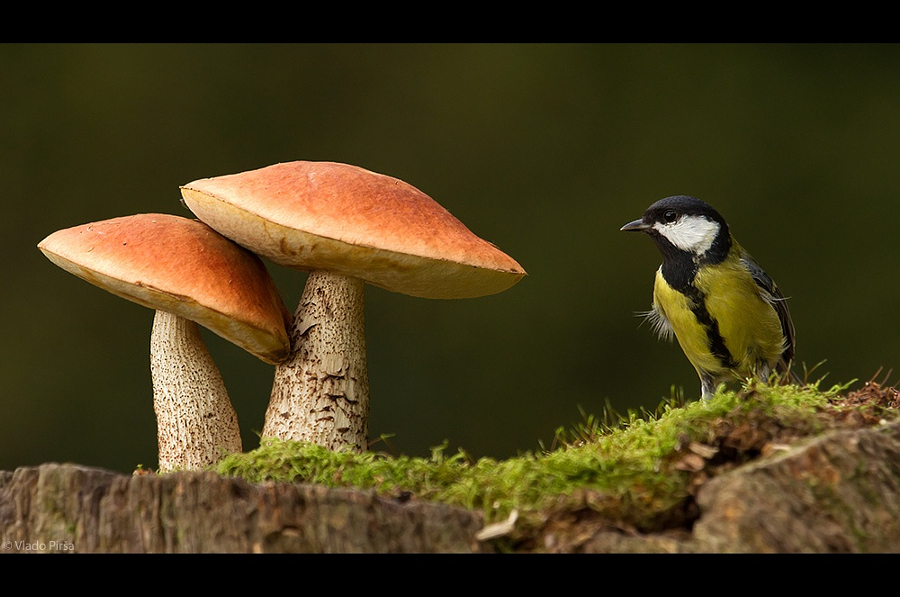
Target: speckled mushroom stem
196,422
321,393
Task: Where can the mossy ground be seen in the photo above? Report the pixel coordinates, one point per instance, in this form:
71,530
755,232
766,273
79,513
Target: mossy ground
640,470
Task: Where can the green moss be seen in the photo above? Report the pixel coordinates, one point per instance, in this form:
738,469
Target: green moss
625,469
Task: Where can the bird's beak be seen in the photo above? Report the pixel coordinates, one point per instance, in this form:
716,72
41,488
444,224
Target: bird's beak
636,226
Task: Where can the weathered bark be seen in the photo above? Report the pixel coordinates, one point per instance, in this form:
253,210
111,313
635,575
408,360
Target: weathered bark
836,493
69,508
196,423
321,393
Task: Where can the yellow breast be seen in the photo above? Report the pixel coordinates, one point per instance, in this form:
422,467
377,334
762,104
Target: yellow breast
746,322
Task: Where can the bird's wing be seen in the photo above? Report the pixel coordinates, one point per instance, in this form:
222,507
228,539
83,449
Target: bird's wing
771,293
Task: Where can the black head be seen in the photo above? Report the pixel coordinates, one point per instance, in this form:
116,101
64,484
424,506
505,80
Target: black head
682,226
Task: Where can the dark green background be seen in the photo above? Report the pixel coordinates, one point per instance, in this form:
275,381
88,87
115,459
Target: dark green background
545,150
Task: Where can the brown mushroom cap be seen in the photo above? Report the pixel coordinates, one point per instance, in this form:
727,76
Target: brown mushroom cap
347,220
184,267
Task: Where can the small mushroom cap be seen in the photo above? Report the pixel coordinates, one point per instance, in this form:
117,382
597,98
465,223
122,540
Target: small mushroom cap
184,267
348,220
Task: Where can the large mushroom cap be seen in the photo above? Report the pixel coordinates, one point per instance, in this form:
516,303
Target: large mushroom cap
348,220
184,267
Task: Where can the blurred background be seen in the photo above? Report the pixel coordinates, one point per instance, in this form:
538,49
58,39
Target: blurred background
545,150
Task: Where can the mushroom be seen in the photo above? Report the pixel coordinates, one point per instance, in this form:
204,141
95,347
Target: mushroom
189,274
346,226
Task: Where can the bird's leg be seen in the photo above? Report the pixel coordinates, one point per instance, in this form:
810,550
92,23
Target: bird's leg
707,386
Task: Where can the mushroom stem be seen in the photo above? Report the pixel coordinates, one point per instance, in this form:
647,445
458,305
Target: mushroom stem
196,422
321,393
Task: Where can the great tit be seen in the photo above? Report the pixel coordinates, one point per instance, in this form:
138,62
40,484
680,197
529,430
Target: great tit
728,315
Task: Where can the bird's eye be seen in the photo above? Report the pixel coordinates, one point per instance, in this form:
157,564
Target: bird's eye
670,216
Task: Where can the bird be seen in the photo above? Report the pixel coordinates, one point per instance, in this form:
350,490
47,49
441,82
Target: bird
728,315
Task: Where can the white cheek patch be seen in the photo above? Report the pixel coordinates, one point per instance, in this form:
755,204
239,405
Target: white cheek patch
690,233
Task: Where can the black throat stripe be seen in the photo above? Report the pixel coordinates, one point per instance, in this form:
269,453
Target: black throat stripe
716,342
679,268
